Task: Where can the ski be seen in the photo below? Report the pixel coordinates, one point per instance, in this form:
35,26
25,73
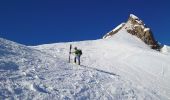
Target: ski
69,53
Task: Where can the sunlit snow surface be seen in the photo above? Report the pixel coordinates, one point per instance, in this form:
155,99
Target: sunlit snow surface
118,68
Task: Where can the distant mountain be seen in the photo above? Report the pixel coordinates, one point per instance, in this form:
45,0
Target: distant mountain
136,27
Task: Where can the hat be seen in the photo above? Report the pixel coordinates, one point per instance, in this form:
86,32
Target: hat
75,47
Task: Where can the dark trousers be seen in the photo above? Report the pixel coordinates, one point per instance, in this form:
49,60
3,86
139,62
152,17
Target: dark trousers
77,58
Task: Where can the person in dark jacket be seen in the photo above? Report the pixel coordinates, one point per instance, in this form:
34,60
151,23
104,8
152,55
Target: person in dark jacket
77,55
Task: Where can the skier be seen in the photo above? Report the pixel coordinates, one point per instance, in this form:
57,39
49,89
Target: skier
77,54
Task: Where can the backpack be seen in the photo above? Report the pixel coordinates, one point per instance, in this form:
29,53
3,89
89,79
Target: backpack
78,52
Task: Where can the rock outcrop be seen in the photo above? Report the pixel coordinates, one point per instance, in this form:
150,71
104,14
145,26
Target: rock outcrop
136,27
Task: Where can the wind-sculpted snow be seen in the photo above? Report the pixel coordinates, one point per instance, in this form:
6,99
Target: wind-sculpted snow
118,68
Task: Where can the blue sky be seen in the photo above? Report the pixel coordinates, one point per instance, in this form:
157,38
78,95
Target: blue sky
34,22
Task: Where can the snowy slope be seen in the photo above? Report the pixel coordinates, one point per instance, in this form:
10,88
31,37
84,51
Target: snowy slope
128,57
21,70
118,68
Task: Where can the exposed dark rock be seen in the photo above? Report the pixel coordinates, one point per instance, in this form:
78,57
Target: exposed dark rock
136,27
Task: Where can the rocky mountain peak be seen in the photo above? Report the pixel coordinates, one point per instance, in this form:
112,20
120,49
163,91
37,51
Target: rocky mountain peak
136,27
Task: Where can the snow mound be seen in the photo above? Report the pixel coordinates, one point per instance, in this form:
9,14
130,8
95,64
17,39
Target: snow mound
165,49
146,29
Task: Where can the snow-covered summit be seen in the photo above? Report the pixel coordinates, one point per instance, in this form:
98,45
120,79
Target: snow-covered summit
136,27
134,17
